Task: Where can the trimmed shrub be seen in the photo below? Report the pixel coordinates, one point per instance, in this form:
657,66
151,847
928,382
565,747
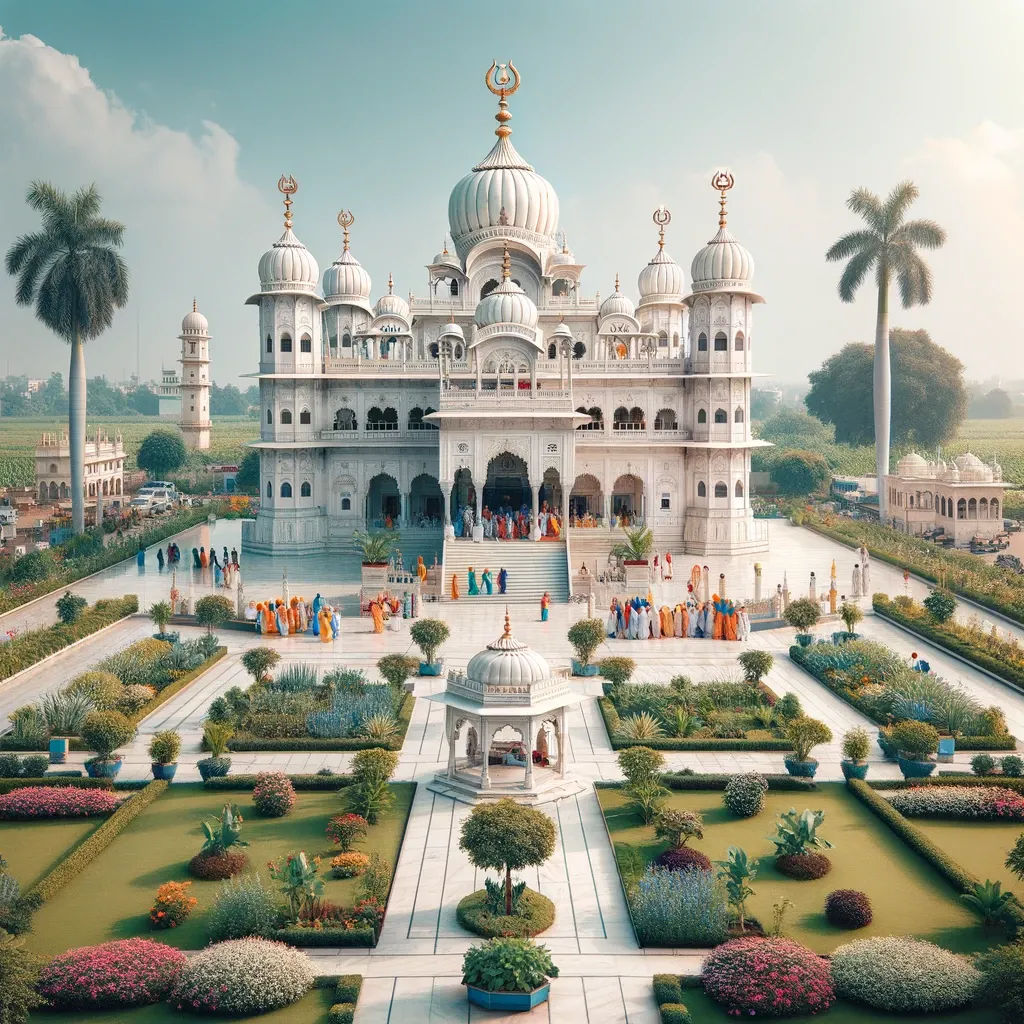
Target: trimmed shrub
1002,982
104,689
128,972
1012,766
848,908
172,905
105,731
901,974
348,987
667,989
744,794
682,858
534,913
983,764
244,907
273,795
346,829
349,865
242,977
959,803
39,802
767,978
341,1013
675,1013
804,866
679,908
215,867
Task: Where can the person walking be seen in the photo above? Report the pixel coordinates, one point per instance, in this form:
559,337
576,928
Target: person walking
160,559
488,582
502,581
545,606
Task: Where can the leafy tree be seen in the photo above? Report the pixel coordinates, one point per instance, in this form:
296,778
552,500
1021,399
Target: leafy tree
145,401
789,425
160,612
247,479
850,614
585,637
226,401
1015,858
800,472
428,635
735,872
617,670
802,614
161,452
72,271
19,971
940,604
804,734
763,403
396,668
994,405
677,827
506,836
212,611
888,245
69,607
258,661
756,665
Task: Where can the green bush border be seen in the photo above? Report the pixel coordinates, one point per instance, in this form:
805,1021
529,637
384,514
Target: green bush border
668,994
320,937
246,782
347,989
243,742
958,876
28,649
473,915
953,779
92,846
6,785
712,782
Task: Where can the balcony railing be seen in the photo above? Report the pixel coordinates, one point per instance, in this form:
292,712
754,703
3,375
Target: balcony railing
521,400
654,367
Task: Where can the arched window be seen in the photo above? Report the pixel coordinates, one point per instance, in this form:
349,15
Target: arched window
344,419
702,342
286,343
552,351
270,489
560,288
305,343
721,416
702,491
721,342
488,288
620,418
596,421
961,509
346,504
427,424
721,490
346,340
993,508
737,416
305,491
434,350
579,350
665,420
270,417
702,415
416,419
739,489
53,467
453,288
983,508
662,339
270,343
636,419
942,506
286,490
972,509
286,415
457,355
376,419
304,417
739,342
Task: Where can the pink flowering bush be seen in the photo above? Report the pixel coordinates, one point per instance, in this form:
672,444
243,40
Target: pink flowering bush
32,802
767,978
960,803
129,972
273,795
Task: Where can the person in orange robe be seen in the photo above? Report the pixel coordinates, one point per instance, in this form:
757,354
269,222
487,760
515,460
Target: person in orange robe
554,526
324,617
378,616
718,630
502,531
269,619
455,587
667,626
293,615
731,619
421,569
545,605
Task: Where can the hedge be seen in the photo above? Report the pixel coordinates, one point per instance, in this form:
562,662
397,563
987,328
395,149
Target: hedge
952,779
244,742
26,649
690,781
320,937
936,633
83,854
244,783
957,875
346,994
6,785
668,994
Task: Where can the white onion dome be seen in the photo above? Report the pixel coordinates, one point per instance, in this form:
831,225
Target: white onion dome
972,468
391,304
722,263
507,304
452,330
347,279
447,259
288,266
565,257
561,331
617,303
195,324
661,280
506,662
911,465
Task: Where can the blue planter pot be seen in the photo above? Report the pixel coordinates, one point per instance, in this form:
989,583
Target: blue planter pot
163,771
804,639
516,1002
97,769
583,670
58,749
431,668
801,769
854,770
213,767
915,769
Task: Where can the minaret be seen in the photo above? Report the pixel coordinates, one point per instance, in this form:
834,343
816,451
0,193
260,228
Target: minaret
195,380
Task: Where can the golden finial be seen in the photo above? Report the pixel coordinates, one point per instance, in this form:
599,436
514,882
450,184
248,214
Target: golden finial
345,221
444,248
722,182
616,280
507,635
661,217
497,80
391,283
506,265
287,186
194,310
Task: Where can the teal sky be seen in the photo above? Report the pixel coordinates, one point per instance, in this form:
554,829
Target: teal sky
186,113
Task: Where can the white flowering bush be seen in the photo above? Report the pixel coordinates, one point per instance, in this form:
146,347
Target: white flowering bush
960,803
242,977
903,975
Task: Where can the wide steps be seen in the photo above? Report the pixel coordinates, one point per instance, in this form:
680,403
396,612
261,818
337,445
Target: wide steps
533,568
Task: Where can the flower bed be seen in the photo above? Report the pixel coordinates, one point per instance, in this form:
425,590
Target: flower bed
38,802
960,803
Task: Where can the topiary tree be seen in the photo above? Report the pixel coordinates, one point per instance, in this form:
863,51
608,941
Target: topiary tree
212,611
804,734
69,607
851,615
258,661
370,795
617,670
940,604
161,452
586,636
104,731
160,612
507,836
802,614
642,767
676,827
756,665
915,740
396,668
428,635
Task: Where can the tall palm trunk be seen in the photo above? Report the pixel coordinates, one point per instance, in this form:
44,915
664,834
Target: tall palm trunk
882,393
76,431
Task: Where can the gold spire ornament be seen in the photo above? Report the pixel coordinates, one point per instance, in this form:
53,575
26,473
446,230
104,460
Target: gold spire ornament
722,182
287,186
506,265
391,283
502,80
194,310
662,218
508,626
345,221
616,280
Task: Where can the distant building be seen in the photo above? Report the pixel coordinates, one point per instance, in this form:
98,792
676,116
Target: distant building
224,479
195,380
963,497
168,393
104,467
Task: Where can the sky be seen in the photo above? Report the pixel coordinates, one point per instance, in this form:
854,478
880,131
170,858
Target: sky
185,114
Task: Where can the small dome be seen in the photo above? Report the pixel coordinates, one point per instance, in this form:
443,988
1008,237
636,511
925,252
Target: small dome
722,263
973,469
288,266
195,323
346,279
565,257
911,465
617,303
391,304
561,330
506,662
507,304
452,330
661,280
447,259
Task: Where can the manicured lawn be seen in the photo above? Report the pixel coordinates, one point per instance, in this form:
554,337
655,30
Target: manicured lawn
980,846
907,895
32,848
111,898
311,1009
704,1011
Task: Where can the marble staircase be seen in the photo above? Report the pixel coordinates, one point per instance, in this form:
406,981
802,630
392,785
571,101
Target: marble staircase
533,567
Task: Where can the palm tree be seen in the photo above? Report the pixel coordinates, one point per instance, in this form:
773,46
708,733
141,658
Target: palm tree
72,272
890,246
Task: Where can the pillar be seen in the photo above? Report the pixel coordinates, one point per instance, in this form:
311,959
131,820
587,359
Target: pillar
478,525
562,733
535,512
452,733
757,581
607,500
528,782
446,492
485,750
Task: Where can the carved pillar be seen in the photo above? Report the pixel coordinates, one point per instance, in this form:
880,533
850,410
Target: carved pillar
485,750
535,511
478,522
562,734
446,492
453,734
528,748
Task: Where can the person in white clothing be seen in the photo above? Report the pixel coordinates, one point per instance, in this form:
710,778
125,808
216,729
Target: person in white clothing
742,623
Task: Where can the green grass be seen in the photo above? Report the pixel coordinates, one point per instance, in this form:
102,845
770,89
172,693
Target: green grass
981,846
907,895
32,849
704,1011
311,1009
111,898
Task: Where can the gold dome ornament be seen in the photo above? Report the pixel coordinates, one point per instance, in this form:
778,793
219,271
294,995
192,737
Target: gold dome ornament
722,182
287,186
503,80
345,221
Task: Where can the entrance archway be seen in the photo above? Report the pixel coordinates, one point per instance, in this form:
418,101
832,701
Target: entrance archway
383,501
508,482
551,488
586,498
426,502
628,497
463,494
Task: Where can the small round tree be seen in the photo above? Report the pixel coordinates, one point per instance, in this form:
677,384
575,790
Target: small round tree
258,661
804,734
506,836
104,731
851,615
428,635
802,614
160,613
396,668
617,670
756,665
586,636
940,604
213,611
69,607
161,452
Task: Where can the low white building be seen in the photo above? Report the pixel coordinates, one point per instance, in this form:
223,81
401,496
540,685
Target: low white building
104,467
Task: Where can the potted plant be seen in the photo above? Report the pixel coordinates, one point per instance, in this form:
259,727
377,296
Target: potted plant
585,636
213,611
215,738
915,742
161,614
164,748
375,550
508,974
801,615
396,668
634,550
258,661
428,635
804,734
851,615
855,754
756,665
103,732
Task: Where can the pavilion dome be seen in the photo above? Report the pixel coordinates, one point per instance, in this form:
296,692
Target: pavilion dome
288,266
661,280
506,662
391,304
452,330
617,303
195,323
564,257
446,259
507,304
972,468
346,278
912,465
